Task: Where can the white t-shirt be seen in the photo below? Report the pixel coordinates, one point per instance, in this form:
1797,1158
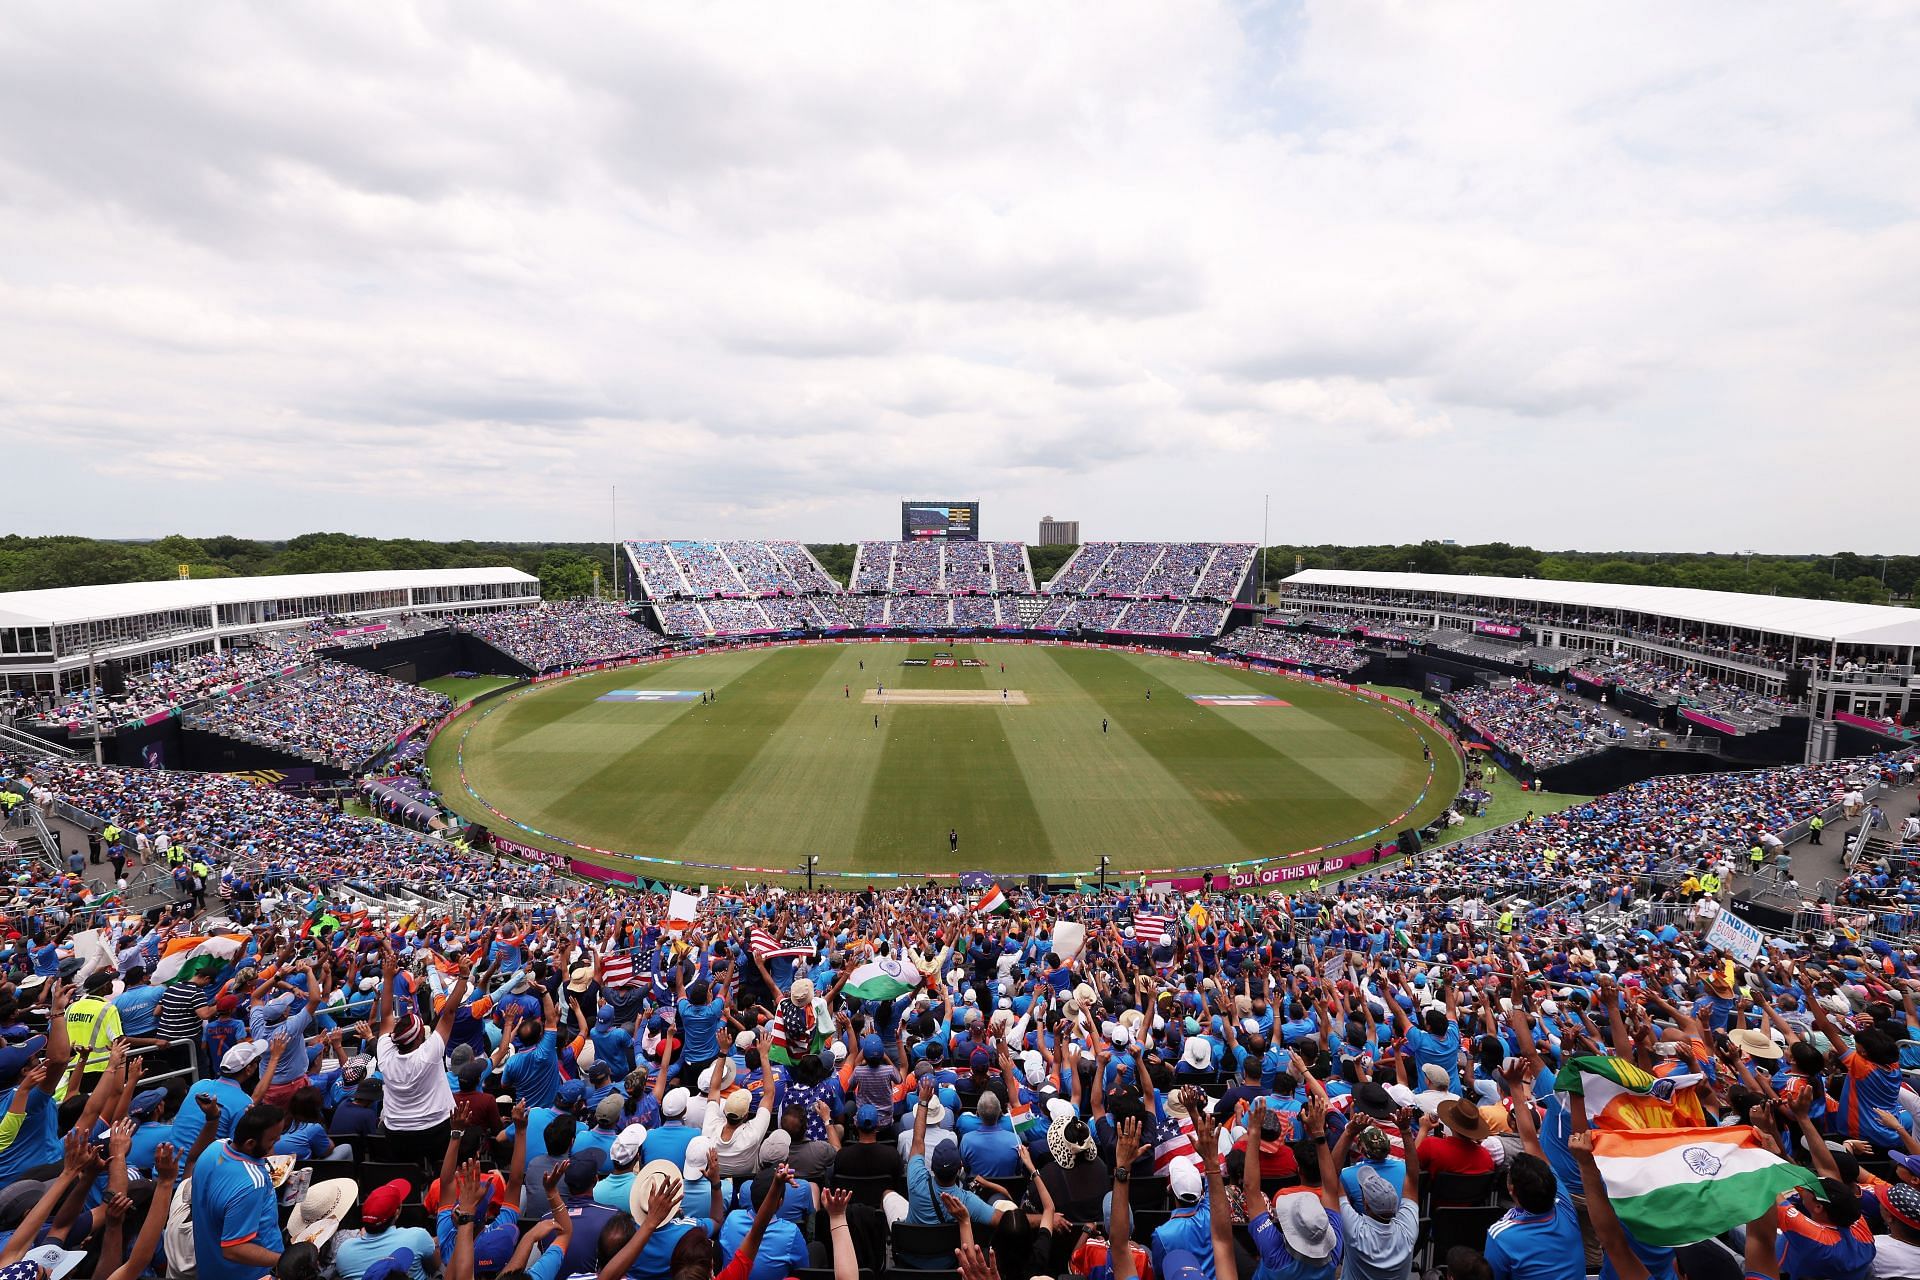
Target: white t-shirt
1894,1259
739,1154
418,1095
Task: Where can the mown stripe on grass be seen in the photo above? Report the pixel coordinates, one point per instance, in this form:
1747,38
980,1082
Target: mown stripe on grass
1102,792
794,797
1236,775
1356,745
945,768
649,795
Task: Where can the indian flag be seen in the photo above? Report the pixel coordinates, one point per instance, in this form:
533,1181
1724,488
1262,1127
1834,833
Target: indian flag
993,904
1023,1118
1620,1095
882,979
184,957
1680,1186
683,910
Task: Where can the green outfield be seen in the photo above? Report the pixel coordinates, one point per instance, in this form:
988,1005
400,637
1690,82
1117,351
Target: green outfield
787,761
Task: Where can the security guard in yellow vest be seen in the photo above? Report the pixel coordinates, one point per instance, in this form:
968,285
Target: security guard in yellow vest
1756,856
1506,921
1815,825
1313,884
1710,884
93,1024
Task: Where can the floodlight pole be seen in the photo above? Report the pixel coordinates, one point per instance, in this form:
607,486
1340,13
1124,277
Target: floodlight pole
93,705
1103,872
812,860
1266,505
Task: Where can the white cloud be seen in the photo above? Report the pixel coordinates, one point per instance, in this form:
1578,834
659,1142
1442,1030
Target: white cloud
1568,275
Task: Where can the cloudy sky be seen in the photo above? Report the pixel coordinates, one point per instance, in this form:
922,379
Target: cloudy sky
1590,276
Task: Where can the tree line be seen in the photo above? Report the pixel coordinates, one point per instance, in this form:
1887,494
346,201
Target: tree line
566,569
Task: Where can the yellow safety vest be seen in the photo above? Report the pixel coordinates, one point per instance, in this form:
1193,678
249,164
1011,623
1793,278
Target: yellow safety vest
82,1014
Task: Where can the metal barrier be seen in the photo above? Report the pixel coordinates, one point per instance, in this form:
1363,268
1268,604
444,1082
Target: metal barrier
189,1073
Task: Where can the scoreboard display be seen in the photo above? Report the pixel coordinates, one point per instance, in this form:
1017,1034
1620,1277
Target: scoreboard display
940,522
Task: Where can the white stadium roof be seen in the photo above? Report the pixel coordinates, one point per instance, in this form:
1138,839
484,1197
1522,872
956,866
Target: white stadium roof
58,605
1824,620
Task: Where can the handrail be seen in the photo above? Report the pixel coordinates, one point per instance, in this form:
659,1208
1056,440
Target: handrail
28,744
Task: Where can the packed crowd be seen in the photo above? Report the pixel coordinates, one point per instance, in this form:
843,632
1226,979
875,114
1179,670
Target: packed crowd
1184,570
1669,686
736,617
1536,724
978,611
563,633
949,568
328,712
704,569
1477,1063
1292,648
920,611
168,685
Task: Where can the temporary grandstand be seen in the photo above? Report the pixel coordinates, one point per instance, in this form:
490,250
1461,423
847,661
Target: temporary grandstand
1181,592
49,639
1861,657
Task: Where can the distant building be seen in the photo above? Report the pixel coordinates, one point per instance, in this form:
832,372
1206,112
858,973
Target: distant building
1059,533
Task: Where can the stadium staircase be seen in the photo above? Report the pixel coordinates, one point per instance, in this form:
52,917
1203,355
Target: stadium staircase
15,742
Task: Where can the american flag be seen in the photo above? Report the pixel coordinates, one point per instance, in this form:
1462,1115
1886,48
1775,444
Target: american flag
767,947
1152,930
616,971
1172,1140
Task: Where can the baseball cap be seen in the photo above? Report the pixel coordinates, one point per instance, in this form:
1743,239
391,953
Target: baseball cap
945,1161
583,1170
693,1166
146,1102
1183,1181
1377,1195
675,1101
394,1267
609,1111
382,1204
571,1093
1179,1264
15,1057
737,1105
867,1117
57,1262
1303,1221
242,1056
626,1147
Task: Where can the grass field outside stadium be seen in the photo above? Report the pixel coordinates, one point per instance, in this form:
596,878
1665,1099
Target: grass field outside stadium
787,761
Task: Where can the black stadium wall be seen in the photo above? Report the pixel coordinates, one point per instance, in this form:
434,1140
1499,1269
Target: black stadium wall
428,657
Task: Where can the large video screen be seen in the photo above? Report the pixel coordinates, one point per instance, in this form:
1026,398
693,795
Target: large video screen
940,521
